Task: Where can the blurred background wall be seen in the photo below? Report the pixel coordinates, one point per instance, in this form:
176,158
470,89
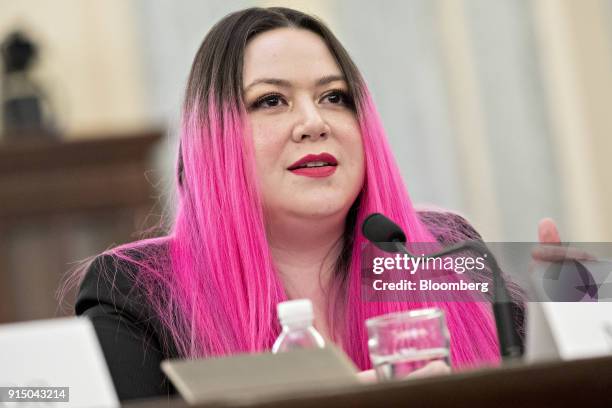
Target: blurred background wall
91,62
498,110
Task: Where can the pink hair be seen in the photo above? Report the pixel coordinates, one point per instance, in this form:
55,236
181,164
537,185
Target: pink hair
212,282
471,324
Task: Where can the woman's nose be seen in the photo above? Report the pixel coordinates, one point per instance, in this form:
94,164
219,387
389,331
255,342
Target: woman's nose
311,125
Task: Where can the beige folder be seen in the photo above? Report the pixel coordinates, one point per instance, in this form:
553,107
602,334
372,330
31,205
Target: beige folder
248,378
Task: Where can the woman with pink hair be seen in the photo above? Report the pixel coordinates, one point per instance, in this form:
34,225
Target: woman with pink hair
282,156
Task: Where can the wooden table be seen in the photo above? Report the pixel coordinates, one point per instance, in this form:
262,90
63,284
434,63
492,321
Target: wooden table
581,383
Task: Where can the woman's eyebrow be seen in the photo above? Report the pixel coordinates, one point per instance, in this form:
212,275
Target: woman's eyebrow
329,78
287,84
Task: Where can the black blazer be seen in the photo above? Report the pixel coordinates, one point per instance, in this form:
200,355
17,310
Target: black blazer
128,332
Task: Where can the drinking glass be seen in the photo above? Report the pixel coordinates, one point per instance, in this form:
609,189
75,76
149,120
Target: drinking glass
403,342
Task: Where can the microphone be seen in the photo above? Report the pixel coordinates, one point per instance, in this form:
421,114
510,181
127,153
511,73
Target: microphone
381,231
377,228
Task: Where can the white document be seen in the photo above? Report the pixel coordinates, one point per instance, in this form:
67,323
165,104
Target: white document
56,353
575,321
568,330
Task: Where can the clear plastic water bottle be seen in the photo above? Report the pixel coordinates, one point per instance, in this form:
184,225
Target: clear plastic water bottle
296,317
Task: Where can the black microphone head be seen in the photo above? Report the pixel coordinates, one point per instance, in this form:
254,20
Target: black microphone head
378,228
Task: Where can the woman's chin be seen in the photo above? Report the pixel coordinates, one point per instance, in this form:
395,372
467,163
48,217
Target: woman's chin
319,209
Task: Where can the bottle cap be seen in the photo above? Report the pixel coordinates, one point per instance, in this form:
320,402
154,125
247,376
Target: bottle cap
294,311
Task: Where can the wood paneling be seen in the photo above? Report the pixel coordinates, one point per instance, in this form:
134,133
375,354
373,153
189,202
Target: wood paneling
61,202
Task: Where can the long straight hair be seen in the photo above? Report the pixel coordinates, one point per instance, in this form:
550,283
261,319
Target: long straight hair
212,282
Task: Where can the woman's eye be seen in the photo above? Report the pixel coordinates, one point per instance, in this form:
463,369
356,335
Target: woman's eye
339,98
268,101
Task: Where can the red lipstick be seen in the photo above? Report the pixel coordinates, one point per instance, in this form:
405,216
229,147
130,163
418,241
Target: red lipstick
315,165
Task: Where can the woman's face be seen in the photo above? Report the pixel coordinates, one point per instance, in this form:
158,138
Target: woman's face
308,146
